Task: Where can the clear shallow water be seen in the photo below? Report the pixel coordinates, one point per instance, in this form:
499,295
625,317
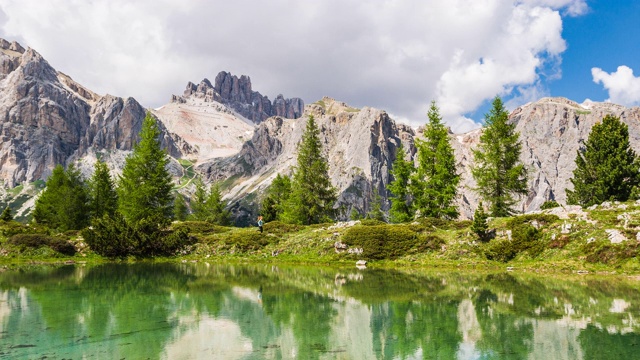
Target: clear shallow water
199,311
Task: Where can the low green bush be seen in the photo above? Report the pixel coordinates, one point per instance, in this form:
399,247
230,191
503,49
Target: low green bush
524,237
542,219
387,241
36,241
200,227
278,227
248,240
605,252
11,228
549,204
372,222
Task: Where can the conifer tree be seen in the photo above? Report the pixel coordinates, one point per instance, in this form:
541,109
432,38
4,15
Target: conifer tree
375,208
6,214
276,196
435,183
64,203
401,201
180,208
479,225
497,169
144,188
606,168
102,193
208,205
312,196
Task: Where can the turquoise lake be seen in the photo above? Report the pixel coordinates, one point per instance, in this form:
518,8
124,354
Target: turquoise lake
218,311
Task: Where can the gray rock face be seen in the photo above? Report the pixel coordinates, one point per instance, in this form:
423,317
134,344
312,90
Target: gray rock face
237,94
359,144
46,118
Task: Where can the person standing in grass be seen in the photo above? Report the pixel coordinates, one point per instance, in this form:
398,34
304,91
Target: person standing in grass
260,224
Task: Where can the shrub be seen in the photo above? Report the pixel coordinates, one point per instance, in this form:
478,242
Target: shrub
608,253
372,222
200,227
542,219
247,240
549,204
524,238
278,227
36,241
384,241
560,242
11,228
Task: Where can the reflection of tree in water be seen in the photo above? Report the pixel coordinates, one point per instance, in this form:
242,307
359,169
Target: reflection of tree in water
598,344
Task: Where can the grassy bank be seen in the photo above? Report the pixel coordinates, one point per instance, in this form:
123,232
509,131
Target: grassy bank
603,239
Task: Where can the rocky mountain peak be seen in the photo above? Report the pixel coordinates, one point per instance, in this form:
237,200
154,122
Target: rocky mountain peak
237,93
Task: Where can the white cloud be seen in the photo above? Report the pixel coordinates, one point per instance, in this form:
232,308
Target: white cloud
393,55
623,87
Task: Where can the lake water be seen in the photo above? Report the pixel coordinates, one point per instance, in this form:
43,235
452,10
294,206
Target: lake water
214,311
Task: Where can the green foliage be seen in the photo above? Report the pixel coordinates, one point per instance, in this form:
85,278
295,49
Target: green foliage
549,204
479,225
541,219
355,214
387,241
11,228
114,237
524,238
278,227
102,194
375,211
64,203
607,168
607,253
435,182
276,196
200,227
401,202
497,169
36,241
6,214
208,205
180,208
144,188
371,222
313,195
246,241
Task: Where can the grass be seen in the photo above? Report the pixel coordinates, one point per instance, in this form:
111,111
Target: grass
530,243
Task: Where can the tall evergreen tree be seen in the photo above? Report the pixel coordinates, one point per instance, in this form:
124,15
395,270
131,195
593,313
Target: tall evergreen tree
6,214
375,207
401,202
180,208
606,168
144,188
208,205
102,193
276,196
313,195
64,203
435,183
497,168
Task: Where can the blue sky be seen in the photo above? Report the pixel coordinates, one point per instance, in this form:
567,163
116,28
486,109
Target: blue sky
395,55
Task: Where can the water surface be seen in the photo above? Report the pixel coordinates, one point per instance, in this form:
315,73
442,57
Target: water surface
209,311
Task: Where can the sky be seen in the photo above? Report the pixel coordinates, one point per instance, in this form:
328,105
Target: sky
395,55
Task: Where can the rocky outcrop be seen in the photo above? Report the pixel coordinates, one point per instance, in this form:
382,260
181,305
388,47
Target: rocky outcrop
238,95
360,146
46,118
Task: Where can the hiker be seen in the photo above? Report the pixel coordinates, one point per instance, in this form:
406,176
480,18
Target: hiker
260,223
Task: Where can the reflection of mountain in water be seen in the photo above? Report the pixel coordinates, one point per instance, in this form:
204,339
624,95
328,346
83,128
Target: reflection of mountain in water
242,312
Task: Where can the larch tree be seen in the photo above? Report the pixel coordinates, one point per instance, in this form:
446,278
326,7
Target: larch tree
401,201
497,169
312,196
606,167
145,186
276,196
434,184
64,203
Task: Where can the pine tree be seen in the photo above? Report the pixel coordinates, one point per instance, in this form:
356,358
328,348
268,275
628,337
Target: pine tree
199,201
276,196
375,209
64,203
6,214
479,225
435,183
401,201
606,168
313,195
216,206
102,193
180,208
497,169
144,188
